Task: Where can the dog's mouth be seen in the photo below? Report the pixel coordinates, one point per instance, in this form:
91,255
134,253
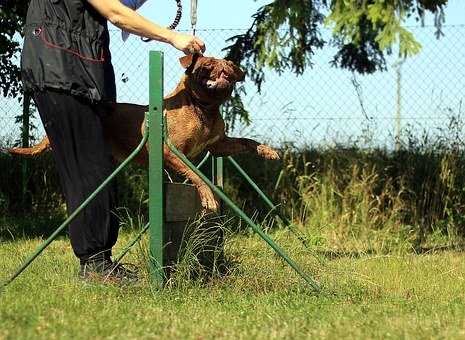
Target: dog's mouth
223,82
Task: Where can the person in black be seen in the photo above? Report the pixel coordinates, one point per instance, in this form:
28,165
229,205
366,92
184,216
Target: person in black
66,67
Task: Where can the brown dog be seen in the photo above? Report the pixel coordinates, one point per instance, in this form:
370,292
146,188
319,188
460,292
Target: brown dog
193,118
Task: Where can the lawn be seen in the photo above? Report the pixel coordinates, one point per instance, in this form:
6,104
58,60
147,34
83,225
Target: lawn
364,296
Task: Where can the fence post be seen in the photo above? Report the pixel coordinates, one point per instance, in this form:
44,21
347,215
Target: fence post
217,171
398,117
156,187
25,137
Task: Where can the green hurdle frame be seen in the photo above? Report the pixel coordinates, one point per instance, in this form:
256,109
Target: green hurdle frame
155,134
158,126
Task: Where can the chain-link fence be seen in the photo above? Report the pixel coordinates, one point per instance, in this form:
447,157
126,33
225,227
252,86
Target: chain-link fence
323,106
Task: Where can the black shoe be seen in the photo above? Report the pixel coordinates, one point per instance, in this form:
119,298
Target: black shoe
107,271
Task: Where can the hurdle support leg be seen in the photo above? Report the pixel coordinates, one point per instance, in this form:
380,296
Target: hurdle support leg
273,208
72,216
137,238
310,281
130,244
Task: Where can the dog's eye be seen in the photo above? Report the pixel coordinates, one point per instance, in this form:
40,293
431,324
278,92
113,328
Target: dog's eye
206,73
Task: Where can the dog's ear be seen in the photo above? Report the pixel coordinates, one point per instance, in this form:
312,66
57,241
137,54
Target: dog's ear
187,60
238,74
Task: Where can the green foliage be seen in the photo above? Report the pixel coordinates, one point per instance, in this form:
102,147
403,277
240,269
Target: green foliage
353,197
234,109
201,252
285,34
351,20
344,197
42,197
367,201
12,17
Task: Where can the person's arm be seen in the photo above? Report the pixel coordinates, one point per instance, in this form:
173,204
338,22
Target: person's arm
129,20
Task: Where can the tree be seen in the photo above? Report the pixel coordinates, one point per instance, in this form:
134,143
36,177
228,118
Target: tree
285,34
12,18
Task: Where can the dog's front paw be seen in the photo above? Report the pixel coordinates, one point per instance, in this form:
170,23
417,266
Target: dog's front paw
267,152
207,199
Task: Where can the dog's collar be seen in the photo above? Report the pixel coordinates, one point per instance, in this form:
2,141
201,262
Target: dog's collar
203,109
204,106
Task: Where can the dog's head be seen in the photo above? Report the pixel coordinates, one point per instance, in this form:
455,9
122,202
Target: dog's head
211,78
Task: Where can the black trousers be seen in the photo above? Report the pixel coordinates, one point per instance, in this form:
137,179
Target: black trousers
83,161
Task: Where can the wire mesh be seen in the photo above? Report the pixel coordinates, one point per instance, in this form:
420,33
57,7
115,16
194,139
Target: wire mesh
325,105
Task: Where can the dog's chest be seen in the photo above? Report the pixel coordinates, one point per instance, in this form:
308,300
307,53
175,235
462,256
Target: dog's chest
200,145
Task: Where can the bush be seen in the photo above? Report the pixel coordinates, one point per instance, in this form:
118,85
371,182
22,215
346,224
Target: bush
343,197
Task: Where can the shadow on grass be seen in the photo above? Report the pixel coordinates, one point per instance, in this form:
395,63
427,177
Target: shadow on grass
336,254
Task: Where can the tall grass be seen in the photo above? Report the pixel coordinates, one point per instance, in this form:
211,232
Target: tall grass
201,255
374,200
193,254
347,198
370,199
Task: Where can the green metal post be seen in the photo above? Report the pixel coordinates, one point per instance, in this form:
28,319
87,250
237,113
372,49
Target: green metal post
156,187
217,175
217,171
25,136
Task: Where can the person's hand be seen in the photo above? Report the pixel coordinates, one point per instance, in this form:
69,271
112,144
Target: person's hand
187,43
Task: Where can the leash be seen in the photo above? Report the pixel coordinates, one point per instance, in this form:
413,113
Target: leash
178,17
176,21
194,16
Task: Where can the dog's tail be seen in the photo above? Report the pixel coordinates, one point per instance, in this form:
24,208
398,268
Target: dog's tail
35,150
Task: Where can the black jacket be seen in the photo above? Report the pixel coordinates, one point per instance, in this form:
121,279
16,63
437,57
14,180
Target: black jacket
66,47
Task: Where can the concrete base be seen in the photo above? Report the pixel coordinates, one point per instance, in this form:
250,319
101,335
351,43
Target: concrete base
182,206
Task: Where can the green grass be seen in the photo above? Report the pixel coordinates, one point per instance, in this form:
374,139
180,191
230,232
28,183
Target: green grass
387,245
405,296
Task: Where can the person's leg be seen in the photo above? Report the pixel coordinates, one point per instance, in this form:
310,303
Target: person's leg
83,161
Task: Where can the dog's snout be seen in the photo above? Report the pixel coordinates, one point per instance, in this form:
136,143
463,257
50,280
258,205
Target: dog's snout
224,75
